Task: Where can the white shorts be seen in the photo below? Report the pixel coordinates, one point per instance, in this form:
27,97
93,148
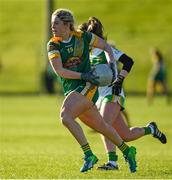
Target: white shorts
106,95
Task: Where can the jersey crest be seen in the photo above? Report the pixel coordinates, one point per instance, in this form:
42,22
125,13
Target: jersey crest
72,62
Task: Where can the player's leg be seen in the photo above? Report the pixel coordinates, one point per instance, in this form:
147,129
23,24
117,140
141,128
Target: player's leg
150,90
133,133
126,117
165,91
93,119
109,112
126,133
74,105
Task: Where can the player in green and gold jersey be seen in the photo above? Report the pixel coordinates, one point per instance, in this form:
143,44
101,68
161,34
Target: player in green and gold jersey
68,52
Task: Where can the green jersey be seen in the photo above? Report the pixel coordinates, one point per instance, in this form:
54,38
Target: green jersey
74,55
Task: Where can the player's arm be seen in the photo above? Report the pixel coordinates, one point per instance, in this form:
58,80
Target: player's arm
63,72
124,59
56,62
114,54
102,44
57,66
127,65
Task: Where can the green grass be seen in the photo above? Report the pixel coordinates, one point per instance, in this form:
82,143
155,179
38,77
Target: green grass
134,26
34,144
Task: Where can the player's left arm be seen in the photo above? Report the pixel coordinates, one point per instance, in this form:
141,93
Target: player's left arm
127,65
100,43
124,59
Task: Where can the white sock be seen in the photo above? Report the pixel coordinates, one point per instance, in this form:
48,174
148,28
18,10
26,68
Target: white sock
152,129
114,163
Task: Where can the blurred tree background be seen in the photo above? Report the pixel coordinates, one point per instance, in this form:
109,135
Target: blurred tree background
133,25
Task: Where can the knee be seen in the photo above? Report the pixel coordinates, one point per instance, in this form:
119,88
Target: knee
64,117
126,139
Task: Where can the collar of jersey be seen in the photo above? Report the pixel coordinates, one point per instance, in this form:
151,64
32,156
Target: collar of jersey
67,40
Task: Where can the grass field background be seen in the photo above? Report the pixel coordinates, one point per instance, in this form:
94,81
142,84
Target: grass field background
133,25
34,144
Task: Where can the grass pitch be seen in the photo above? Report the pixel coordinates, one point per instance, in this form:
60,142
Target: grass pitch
34,144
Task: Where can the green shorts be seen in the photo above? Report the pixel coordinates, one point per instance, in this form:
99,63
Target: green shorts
158,76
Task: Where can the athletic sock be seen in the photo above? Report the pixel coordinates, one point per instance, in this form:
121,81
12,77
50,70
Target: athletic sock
114,163
86,149
124,148
148,130
112,156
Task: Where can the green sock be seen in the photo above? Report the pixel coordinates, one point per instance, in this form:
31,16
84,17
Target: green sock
86,149
112,156
124,148
147,130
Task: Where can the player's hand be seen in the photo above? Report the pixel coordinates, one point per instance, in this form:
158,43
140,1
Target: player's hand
117,85
90,77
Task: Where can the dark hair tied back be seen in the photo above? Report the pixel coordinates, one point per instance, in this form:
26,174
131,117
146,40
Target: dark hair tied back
95,26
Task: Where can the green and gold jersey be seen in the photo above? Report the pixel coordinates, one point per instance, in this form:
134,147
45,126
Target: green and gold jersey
74,55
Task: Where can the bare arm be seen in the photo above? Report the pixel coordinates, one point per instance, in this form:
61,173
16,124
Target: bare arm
102,44
56,64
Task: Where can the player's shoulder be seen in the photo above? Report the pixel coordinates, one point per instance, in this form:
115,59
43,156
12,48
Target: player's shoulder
55,40
83,34
53,43
77,33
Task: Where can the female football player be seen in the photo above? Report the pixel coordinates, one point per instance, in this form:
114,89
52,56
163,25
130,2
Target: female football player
111,99
157,75
68,52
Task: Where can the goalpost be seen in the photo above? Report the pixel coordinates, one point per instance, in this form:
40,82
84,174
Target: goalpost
48,78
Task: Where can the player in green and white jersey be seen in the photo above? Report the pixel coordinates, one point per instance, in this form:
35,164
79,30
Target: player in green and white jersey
111,99
68,52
